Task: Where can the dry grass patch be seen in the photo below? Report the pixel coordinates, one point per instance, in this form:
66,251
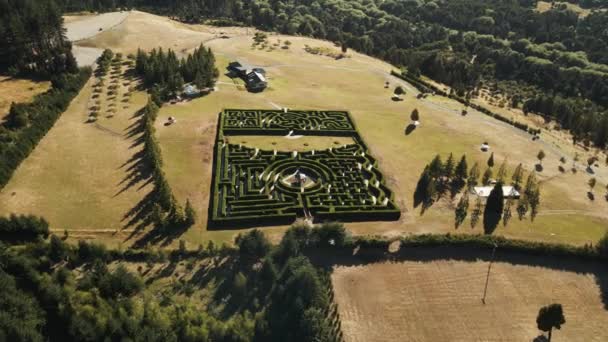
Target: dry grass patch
19,91
441,301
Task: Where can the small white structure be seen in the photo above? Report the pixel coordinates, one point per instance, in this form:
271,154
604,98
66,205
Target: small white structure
416,123
484,191
485,147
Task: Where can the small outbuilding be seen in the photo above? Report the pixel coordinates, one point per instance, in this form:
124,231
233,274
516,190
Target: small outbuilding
191,91
484,191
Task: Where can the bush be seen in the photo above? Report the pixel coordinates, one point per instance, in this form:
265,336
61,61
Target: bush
20,229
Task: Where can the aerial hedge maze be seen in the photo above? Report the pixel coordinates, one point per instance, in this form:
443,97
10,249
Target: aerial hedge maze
253,187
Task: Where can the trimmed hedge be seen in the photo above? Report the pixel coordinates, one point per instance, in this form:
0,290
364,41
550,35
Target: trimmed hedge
236,167
485,242
425,87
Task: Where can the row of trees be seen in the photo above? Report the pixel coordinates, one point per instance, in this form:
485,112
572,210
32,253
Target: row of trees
166,212
166,74
32,39
439,178
26,124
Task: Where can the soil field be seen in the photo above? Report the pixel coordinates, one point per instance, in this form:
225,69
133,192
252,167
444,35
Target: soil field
440,300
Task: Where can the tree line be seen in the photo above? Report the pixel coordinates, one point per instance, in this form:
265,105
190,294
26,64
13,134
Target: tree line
165,74
166,212
276,293
32,39
26,124
458,42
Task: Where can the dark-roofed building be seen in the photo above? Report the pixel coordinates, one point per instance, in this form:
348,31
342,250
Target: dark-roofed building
237,69
256,81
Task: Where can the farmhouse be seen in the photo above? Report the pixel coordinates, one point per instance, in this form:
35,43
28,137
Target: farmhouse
255,78
484,191
237,69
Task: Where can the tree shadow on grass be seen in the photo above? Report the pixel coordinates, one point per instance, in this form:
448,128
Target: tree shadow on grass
410,129
138,169
163,235
369,255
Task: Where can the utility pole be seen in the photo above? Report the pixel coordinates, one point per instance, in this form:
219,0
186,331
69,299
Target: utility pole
485,290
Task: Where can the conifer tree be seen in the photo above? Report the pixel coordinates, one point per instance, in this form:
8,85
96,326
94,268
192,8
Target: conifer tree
461,168
517,177
487,176
476,213
473,176
448,168
190,214
491,160
461,209
502,172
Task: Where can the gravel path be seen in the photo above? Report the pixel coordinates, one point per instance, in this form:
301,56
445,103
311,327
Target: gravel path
87,28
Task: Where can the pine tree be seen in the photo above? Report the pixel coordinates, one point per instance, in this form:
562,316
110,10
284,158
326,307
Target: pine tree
517,177
190,214
522,207
534,202
476,212
436,167
502,172
473,176
461,168
448,168
461,209
491,160
487,176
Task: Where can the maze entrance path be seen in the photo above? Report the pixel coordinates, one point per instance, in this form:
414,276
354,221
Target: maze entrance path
254,187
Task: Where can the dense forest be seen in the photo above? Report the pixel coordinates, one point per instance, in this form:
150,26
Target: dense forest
466,44
165,74
55,291
32,39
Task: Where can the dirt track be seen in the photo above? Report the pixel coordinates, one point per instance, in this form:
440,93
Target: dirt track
90,26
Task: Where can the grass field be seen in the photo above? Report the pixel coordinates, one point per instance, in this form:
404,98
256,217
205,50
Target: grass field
440,300
75,172
19,91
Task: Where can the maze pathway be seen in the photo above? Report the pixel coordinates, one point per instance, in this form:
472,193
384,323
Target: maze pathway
255,187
